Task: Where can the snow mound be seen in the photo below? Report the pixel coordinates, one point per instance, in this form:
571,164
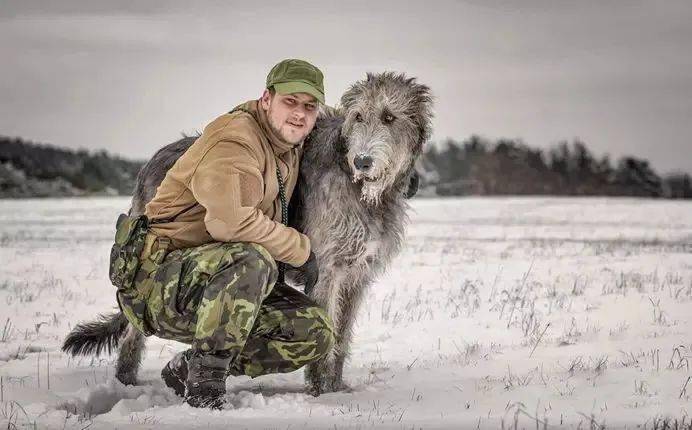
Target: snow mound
114,397
245,401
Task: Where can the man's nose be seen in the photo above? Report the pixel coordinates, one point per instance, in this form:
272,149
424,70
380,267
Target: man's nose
363,162
300,112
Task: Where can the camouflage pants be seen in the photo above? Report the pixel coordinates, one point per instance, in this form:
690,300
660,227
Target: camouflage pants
223,297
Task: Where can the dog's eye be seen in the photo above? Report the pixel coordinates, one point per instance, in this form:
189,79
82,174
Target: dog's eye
359,117
388,118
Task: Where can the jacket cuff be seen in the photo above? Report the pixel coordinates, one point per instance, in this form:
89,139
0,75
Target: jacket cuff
304,251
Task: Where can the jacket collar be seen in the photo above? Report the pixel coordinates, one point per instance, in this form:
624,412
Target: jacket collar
278,144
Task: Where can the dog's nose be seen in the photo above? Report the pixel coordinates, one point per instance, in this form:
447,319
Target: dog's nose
363,162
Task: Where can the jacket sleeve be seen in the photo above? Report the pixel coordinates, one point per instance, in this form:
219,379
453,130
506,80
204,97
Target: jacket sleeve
229,184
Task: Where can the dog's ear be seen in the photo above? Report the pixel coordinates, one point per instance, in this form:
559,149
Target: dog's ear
339,142
340,146
413,183
421,113
330,140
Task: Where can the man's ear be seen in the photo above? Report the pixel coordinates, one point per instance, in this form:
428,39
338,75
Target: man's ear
266,99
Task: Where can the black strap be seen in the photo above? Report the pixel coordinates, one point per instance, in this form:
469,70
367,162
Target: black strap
284,220
172,218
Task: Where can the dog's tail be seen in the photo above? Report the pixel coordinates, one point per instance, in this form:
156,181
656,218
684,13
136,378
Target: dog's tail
96,336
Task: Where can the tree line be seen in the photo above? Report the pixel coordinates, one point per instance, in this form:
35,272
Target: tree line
475,166
30,169
478,166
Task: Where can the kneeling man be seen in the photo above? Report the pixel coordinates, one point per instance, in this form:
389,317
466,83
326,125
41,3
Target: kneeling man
212,264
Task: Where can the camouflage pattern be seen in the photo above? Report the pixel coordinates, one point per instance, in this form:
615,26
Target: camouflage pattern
290,331
222,297
130,233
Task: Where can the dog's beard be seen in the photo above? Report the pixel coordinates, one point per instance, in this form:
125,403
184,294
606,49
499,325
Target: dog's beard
381,180
372,186
371,193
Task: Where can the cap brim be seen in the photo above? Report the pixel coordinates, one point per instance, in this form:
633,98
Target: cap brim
299,87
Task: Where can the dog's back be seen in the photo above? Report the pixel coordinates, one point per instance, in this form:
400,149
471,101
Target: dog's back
106,333
152,173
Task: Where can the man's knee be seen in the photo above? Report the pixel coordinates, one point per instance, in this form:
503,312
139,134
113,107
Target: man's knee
322,331
251,266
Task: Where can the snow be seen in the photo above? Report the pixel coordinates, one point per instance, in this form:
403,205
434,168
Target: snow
499,312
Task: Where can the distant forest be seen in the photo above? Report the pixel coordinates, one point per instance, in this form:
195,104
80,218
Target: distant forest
475,166
36,170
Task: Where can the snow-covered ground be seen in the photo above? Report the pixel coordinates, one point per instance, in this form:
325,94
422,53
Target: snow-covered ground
500,312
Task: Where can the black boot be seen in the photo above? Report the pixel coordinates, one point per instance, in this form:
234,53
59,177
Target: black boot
174,373
205,384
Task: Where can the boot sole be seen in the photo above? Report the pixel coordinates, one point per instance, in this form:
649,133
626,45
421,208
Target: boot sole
209,400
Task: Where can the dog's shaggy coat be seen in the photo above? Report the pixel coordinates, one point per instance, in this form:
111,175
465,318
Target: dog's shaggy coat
350,201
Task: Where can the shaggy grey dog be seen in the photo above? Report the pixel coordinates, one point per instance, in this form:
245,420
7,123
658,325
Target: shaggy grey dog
356,170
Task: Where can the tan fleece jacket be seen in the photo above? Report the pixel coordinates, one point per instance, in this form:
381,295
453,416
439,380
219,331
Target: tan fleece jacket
228,176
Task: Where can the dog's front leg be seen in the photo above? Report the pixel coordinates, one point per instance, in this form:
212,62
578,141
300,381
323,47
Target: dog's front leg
320,375
316,376
130,356
341,304
349,303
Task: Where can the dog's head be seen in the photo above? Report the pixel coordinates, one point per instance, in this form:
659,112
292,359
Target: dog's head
386,122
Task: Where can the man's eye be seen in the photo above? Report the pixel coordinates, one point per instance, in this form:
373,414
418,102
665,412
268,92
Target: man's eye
290,101
310,107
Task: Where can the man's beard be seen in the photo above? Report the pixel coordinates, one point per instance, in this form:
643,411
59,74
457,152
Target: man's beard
276,130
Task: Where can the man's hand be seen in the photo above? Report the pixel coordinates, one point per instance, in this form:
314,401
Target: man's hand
310,272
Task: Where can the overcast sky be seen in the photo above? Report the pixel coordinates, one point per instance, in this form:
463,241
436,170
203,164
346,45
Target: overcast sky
129,76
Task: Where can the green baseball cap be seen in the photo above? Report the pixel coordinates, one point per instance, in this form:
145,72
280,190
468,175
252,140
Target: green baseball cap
297,76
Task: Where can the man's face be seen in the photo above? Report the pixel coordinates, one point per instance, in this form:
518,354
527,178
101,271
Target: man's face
291,116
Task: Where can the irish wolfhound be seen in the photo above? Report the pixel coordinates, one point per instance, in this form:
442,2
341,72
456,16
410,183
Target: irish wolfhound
350,200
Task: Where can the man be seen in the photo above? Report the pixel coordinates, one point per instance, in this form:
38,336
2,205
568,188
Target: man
209,266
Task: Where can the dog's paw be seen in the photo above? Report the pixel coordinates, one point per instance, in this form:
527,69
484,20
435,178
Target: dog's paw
127,378
327,385
314,390
342,386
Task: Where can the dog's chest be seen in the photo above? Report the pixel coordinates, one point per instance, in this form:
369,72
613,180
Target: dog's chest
350,236
343,230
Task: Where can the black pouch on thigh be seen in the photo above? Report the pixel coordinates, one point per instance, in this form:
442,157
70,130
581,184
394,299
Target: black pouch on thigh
130,233
124,266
